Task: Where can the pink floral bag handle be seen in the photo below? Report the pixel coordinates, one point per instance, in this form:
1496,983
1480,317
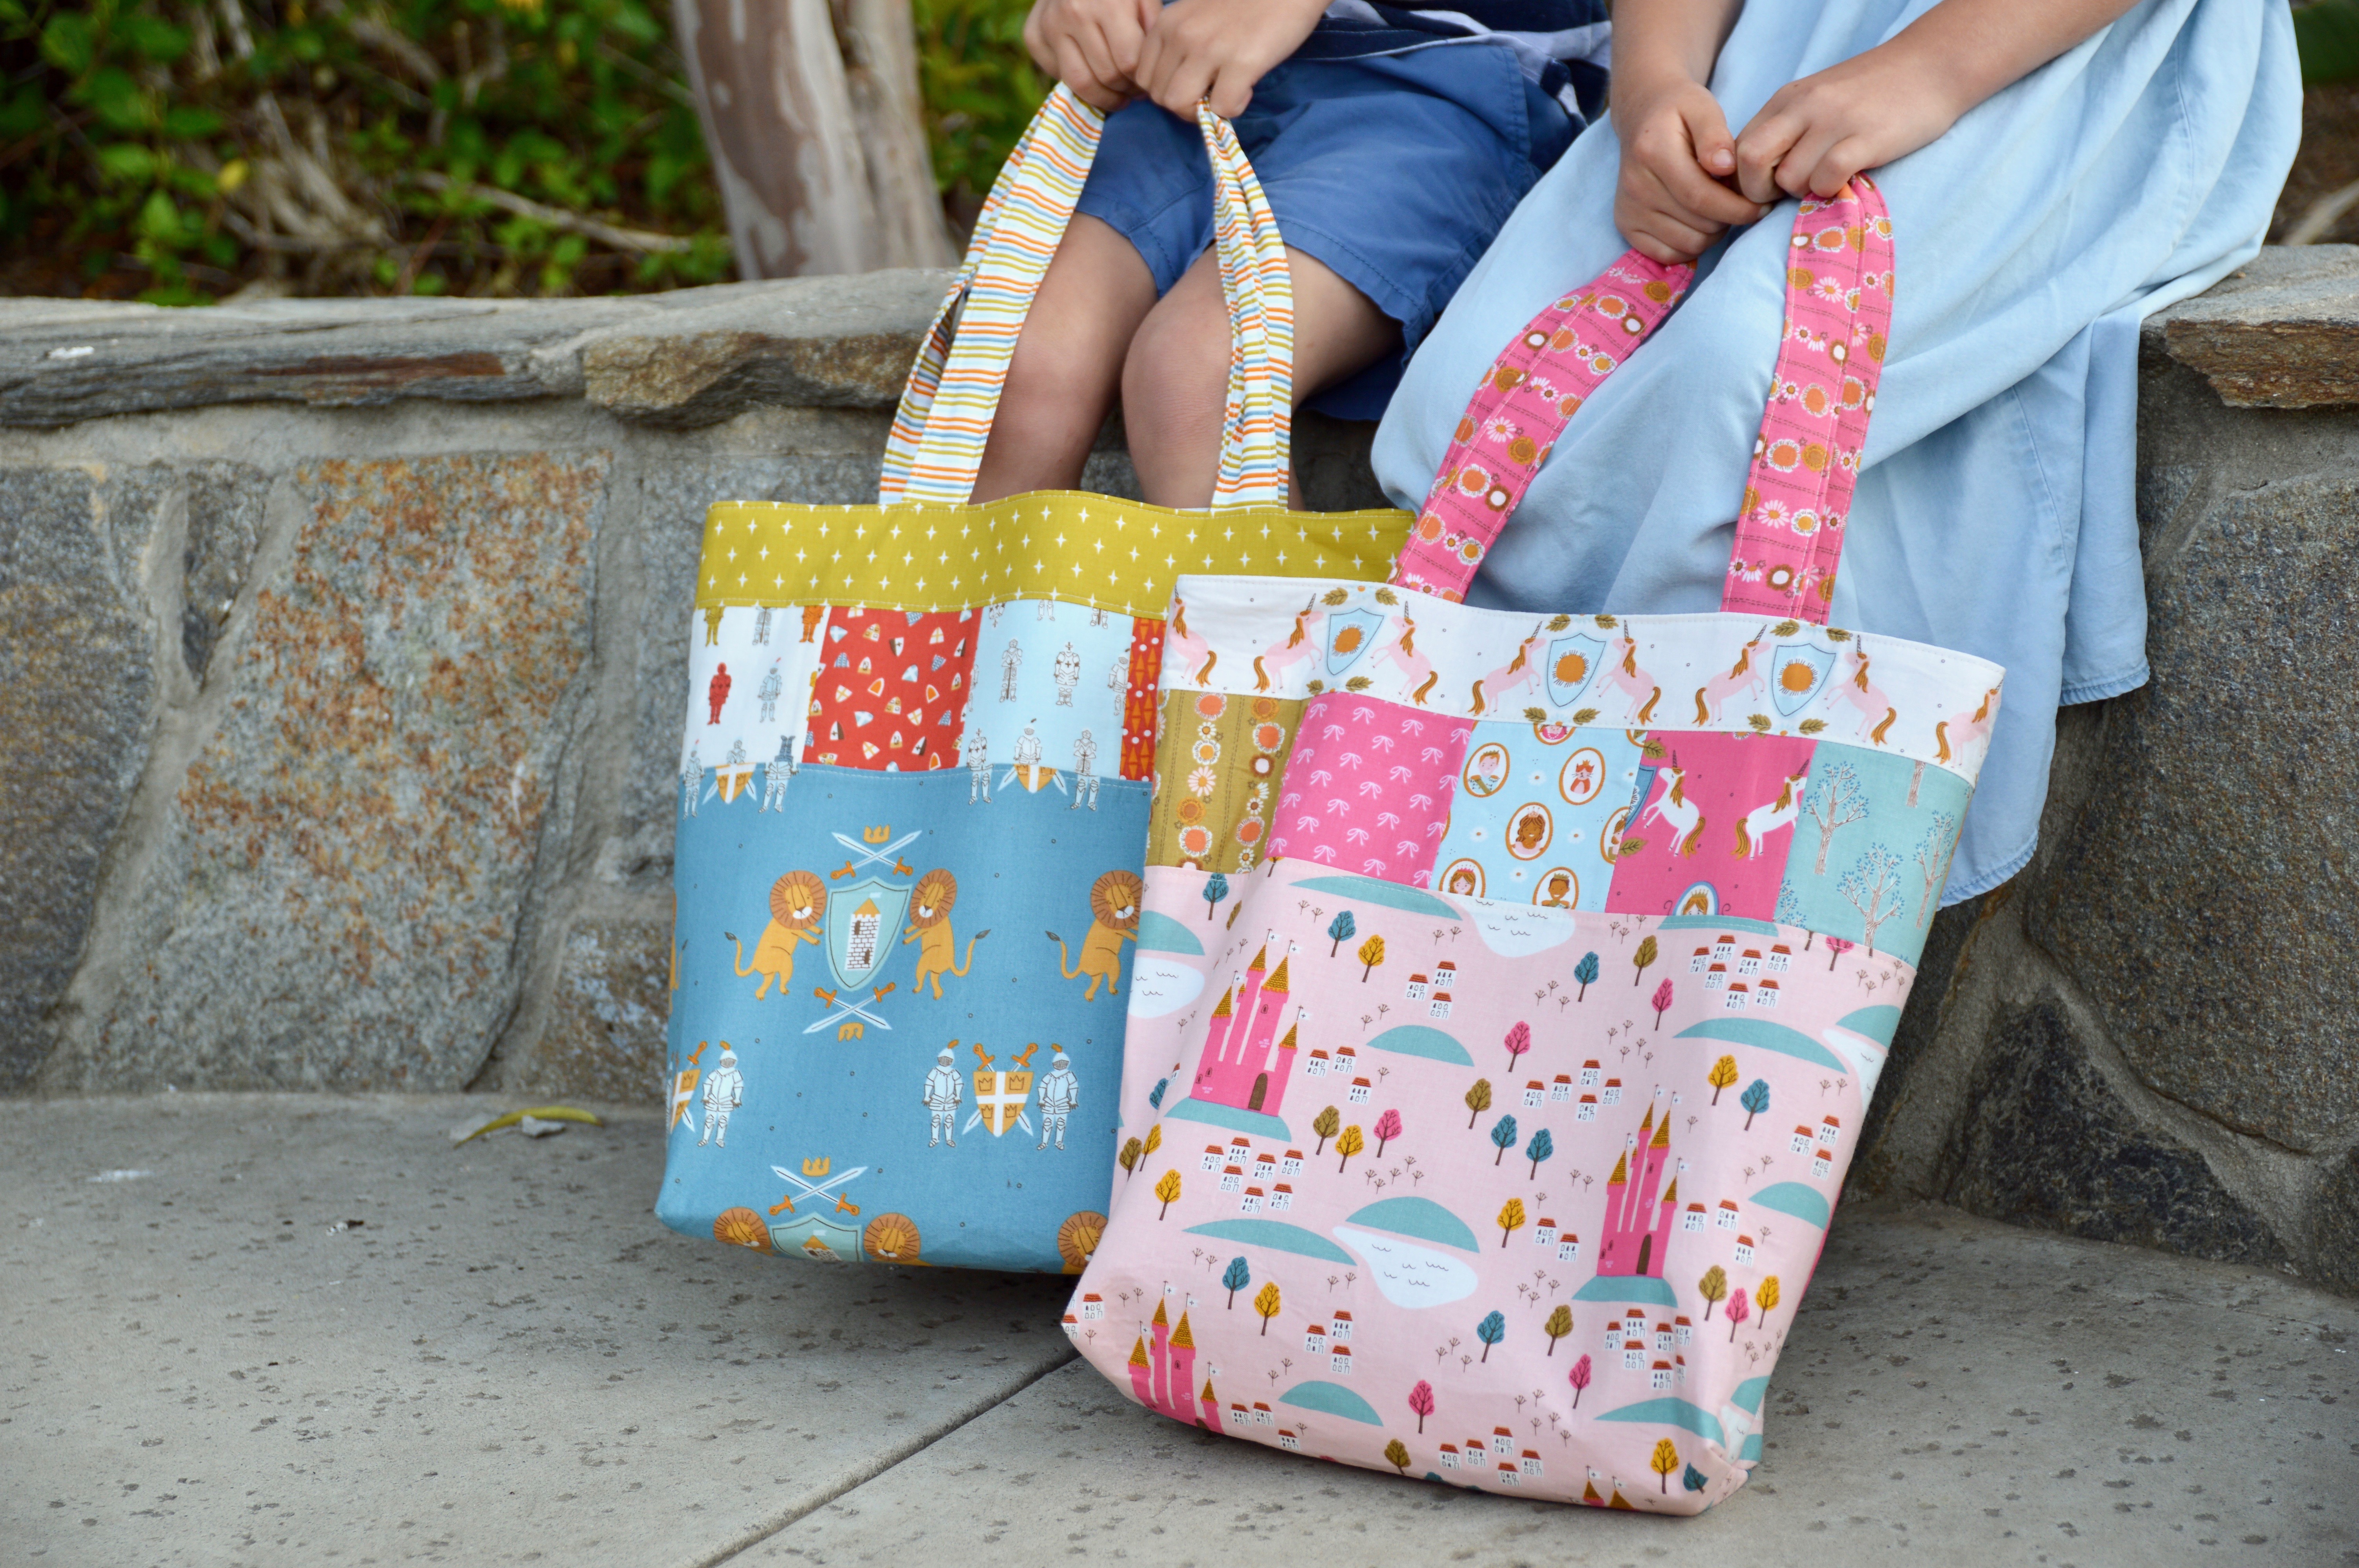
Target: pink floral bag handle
1797,493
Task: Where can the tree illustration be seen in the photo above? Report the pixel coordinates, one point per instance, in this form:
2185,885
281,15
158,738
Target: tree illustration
1754,1099
1740,1307
1722,1073
1351,1143
1267,1304
1790,906
1154,1142
1167,1189
1504,1135
1932,859
1133,1152
1325,1124
1585,972
1518,1040
1396,1455
1511,1219
1643,957
1660,1002
1559,1325
1838,947
1834,800
1421,1400
1765,1298
1713,1288
1541,1147
1665,1460
1343,928
1371,954
1490,1331
1872,886
1579,1378
1388,1127
1235,1278
1693,1480
1215,890
1155,1095
1478,1100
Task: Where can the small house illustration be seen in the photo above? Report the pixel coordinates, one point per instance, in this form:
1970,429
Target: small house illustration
1830,1130
1508,1477
1287,1441
1314,1339
1823,1163
1360,1091
1535,1094
1340,1357
1722,947
1262,1416
1560,1089
1347,1060
1292,1165
1251,1202
1239,1149
1766,994
1281,1196
1680,1371
1568,1247
1750,964
1503,1441
1727,1216
1739,995
1439,1006
1613,1095
1072,1325
1587,1110
1684,1329
1659,1377
1662,1339
1801,1141
1692,1219
1781,958
1317,1064
1715,977
1745,1250
1418,987
1212,1152
1702,958
1633,1355
1531,1461
1093,1307
1341,1326
1239,1415
1450,1456
1590,1072
1232,1178
1544,1233
1444,973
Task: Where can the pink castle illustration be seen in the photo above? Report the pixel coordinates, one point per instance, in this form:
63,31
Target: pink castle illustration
1162,1377
1244,1063
1639,1208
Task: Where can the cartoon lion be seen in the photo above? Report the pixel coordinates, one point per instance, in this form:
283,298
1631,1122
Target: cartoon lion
929,927
798,900
1114,920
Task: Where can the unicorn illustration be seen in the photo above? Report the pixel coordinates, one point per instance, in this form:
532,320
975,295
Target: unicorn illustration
1623,673
1522,671
1683,816
1297,646
1184,651
1744,675
1753,829
1859,688
1418,673
1955,733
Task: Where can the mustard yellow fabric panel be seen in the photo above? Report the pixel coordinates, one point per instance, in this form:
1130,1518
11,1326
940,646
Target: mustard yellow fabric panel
1218,760
1117,556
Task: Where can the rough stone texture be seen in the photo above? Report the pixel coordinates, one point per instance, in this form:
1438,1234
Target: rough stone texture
77,682
350,850
2206,905
2282,333
225,508
2048,1144
604,1036
2334,1225
509,1361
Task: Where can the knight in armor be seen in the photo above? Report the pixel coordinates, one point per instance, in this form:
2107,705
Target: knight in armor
691,776
1009,663
777,772
1065,671
762,625
1085,770
773,684
944,1089
723,1091
978,765
1061,1093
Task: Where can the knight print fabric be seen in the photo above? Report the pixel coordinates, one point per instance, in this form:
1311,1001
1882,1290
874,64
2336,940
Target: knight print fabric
1486,1124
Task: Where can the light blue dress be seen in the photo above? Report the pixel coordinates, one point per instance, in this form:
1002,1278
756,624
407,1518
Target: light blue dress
1995,512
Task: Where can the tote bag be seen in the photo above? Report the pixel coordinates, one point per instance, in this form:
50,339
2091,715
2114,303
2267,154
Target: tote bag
913,790
1491,1131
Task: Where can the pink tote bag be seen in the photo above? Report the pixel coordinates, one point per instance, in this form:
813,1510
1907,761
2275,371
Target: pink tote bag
1511,988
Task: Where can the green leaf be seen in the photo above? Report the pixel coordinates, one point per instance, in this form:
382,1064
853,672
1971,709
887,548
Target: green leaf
185,124
151,38
126,161
69,42
120,106
159,220
2327,36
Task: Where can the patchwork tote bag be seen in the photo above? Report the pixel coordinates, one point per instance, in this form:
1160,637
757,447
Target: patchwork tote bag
1488,1126
913,794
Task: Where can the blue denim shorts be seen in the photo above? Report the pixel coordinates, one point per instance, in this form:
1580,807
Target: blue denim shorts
1395,171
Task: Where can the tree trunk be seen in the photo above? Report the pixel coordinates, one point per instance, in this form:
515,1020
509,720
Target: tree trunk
810,111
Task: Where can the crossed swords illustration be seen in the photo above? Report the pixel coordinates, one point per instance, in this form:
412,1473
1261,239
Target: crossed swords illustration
888,857
812,1192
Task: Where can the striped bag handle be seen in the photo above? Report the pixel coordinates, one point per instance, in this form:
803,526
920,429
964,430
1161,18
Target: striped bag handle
1805,463
944,419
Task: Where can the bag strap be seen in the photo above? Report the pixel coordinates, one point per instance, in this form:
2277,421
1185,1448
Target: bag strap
1838,292
938,432
1789,528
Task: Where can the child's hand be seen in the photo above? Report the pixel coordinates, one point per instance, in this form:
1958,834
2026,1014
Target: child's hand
1218,49
1815,133
1090,45
1669,203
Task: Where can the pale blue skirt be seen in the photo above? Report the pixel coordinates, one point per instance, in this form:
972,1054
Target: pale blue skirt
1996,513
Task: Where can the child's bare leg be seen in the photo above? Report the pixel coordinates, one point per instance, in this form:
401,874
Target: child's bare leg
1068,362
1176,378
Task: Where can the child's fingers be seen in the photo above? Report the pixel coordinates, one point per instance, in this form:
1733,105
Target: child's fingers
1686,184
1097,49
1074,70
1231,89
1715,148
1802,159
1762,148
1839,165
1178,77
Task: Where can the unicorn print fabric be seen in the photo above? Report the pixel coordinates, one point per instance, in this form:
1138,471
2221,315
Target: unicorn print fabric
1484,1121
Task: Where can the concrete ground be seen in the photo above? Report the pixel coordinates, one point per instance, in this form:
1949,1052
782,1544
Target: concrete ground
204,1360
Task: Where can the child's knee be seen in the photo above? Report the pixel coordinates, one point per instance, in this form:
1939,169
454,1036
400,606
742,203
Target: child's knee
1176,373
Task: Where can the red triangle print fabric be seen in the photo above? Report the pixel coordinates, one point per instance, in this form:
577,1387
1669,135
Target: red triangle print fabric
892,689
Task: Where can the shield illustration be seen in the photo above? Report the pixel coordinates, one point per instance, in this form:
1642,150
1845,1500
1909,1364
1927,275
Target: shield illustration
1349,635
862,921
1571,665
999,1097
1796,673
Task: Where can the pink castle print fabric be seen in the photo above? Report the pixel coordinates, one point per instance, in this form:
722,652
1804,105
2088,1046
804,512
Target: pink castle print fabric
1488,1128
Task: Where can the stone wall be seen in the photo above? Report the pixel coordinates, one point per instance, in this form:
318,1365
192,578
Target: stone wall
342,661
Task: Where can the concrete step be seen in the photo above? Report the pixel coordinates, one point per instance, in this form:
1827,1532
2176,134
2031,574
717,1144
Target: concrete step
508,1360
